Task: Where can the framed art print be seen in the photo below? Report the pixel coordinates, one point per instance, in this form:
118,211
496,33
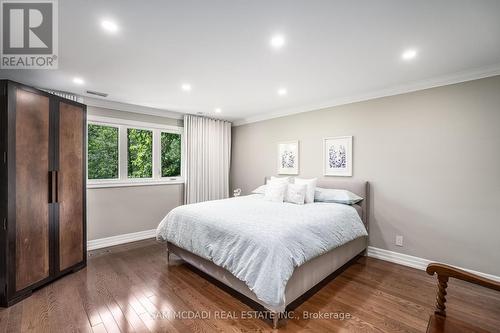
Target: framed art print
288,158
337,156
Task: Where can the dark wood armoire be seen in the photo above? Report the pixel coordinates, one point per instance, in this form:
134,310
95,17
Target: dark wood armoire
43,189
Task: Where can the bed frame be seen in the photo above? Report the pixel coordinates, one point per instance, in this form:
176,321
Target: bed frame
306,278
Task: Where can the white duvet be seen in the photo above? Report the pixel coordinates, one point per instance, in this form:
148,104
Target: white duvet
260,242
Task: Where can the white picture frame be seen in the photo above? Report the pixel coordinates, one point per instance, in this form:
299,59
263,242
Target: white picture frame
288,157
337,156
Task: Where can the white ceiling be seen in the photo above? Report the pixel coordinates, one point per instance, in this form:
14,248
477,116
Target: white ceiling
335,51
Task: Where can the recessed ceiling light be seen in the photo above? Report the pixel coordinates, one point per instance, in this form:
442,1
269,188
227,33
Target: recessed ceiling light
409,54
78,80
217,110
282,92
186,87
277,41
109,26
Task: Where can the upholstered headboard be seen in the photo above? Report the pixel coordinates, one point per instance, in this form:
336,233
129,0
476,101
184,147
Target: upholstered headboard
358,187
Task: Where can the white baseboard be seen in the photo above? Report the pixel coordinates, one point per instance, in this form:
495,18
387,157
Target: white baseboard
120,239
415,262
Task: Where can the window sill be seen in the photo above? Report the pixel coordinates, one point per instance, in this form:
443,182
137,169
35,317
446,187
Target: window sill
134,183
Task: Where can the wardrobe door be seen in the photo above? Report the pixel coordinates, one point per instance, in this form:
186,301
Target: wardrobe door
31,188
71,184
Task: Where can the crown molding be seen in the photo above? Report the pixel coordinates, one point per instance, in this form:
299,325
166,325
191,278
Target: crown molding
113,105
445,80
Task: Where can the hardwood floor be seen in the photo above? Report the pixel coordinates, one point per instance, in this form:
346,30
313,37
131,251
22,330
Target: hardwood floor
130,288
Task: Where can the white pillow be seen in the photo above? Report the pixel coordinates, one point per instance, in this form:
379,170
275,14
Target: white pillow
280,179
296,193
260,190
275,191
334,195
311,187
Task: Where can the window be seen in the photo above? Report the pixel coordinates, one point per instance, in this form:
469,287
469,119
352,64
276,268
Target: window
140,153
127,153
102,152
170,154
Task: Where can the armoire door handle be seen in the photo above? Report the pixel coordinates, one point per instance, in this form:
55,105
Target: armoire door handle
50,187
53,186
56,186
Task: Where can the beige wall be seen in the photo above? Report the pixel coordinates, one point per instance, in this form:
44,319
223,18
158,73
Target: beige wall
113,211
432,157
122,210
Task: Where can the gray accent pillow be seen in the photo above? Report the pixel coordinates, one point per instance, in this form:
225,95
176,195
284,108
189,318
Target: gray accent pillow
337,196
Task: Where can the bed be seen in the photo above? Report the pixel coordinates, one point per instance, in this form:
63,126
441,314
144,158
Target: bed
271,253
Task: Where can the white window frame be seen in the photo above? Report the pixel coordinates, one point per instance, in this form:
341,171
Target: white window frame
123,180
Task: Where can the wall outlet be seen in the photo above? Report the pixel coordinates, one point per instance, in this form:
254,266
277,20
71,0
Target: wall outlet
399,240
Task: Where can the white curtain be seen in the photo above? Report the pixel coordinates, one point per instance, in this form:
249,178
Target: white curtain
207,151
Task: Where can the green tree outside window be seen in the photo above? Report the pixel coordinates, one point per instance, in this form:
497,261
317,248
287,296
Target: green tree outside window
170,154
140,153
102,152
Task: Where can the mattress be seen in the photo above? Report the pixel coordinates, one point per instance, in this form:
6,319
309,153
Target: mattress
261,242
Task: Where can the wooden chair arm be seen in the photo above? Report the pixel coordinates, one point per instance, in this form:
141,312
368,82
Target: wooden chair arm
448,271
444,272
